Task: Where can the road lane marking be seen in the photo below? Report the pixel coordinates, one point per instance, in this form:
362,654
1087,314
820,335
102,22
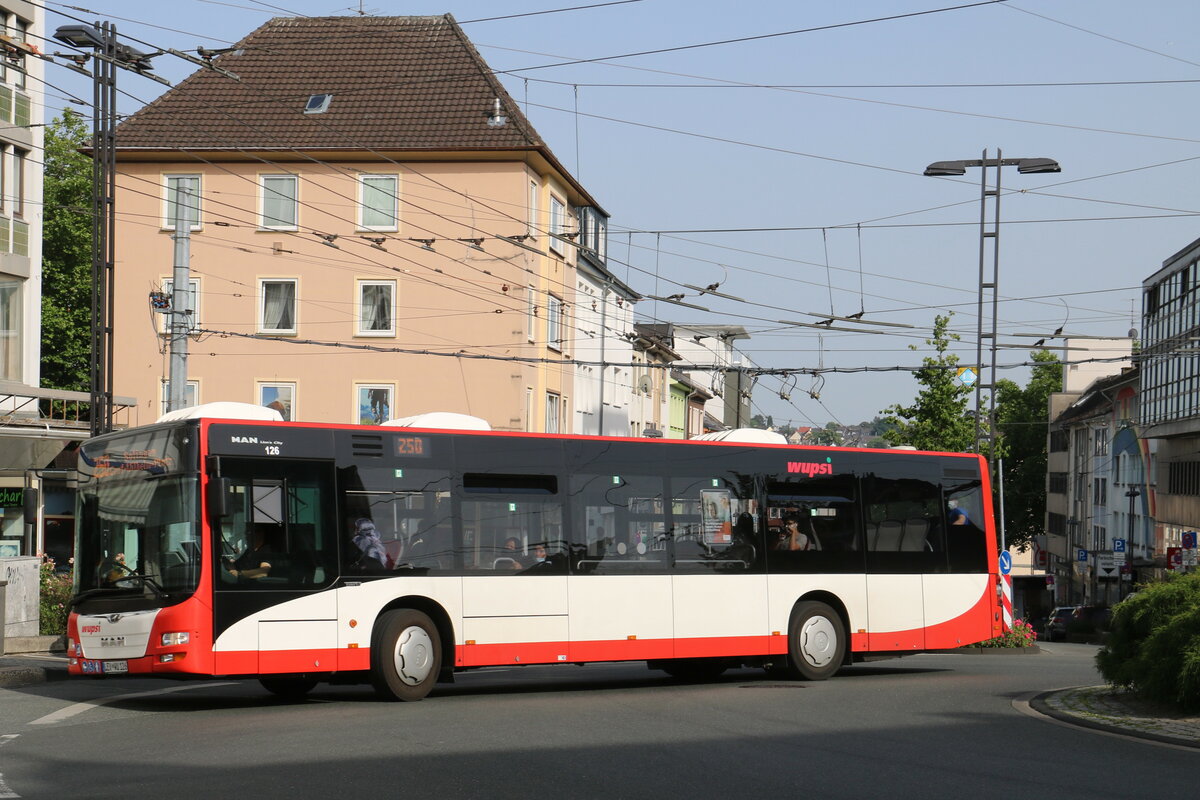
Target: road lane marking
79,708
6,792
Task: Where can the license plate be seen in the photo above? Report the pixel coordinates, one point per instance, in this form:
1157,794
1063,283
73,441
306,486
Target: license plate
104,667
112,641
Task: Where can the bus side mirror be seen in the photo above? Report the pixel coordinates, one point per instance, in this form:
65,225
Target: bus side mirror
30,503
219,492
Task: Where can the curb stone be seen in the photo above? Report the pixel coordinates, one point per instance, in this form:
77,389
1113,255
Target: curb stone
1118,711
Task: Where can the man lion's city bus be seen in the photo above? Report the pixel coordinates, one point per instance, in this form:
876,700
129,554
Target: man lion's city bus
300,553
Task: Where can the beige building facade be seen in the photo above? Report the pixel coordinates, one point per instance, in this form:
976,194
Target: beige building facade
409,247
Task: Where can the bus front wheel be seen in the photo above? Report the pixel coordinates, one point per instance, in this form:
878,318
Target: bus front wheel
406,656
816,641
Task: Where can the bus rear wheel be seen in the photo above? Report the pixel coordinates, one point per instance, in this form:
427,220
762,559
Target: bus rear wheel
406,656
288,687
816,641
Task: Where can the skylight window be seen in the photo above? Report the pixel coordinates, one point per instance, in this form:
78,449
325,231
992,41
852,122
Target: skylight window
318,103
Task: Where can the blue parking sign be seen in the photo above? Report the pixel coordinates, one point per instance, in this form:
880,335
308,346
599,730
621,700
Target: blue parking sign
1118,545
1081,555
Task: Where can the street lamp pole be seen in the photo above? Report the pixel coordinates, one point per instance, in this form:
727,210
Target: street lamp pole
1132,494
107,55
988,284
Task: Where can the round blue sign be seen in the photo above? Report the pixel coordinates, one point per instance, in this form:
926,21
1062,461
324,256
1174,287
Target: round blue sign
1005,563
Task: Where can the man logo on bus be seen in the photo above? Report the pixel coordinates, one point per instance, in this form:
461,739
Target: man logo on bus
811,468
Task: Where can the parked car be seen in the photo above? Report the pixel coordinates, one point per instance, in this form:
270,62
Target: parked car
1056,623
1090,619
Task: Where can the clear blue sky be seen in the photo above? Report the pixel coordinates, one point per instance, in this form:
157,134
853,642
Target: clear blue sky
825,131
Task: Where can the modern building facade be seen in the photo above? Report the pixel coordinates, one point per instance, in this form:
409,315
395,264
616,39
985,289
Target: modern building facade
375,230
1170,387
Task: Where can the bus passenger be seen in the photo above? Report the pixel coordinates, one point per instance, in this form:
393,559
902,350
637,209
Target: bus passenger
372,557
792,538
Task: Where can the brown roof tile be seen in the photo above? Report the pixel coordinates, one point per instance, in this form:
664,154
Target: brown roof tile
398,83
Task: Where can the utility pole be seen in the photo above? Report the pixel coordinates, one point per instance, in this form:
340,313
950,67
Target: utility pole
181,306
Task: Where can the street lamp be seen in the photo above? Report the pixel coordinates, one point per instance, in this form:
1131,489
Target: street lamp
1132,494
107,55
1025,166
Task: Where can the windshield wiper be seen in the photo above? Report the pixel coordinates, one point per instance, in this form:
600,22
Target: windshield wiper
159,592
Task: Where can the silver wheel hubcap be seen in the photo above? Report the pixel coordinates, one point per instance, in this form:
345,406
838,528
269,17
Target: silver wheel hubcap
414,655
818,640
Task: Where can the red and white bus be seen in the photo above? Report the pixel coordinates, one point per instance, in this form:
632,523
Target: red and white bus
298,553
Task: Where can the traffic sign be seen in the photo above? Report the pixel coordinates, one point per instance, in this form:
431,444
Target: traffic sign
1107,565
1118,545
1005,562
1174,557
1189,540
1189,557
967,375
1050,582
1081,555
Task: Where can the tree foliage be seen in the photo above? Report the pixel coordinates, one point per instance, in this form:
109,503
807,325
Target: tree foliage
830,435
937,419
66,255
1021,418
1154,646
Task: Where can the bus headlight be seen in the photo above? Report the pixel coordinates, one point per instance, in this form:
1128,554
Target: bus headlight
175,639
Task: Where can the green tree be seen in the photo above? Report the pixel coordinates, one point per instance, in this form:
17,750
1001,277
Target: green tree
1021,418
831,434
937,418
66,255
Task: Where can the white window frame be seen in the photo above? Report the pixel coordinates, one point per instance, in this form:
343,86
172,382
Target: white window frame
272,224
262,306
360,307
282,388
393,214
193,296
558,221
168,203
555,315
191,396
534,208
361,398
553,412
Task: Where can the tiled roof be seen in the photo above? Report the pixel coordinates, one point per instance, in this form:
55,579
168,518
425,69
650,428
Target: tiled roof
398,83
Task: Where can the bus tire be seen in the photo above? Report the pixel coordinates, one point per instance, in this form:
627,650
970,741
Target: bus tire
288,686
406,656
816,641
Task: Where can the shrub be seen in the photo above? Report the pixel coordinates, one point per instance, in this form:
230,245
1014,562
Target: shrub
1021,634
1154,646
55,592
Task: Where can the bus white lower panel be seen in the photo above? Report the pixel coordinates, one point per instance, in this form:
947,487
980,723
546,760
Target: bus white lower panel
709,622
895,612
617,617
514,595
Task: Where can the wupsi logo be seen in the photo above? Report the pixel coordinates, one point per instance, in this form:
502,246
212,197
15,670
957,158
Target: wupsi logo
810,468
89,629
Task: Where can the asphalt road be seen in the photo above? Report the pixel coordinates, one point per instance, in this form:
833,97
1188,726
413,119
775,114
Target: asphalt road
926,726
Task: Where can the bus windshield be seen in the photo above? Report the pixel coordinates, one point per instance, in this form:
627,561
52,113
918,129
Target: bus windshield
138,513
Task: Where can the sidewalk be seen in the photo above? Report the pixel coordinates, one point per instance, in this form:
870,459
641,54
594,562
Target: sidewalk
32,659
1118,711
